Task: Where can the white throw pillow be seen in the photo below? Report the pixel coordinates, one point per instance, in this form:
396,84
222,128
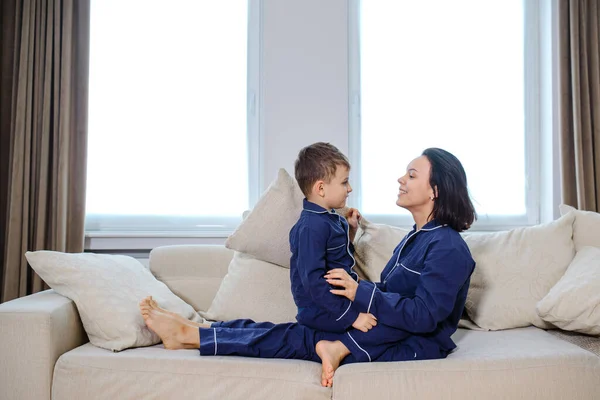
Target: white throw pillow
586,229
264,233
107,290
374,246
516,269
253,289
573,304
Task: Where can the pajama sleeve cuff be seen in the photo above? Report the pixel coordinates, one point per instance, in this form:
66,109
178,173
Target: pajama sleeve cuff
364,296
208,342
350,316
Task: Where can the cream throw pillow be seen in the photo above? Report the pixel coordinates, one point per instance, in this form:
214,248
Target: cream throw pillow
107,290
586,229
516,269
264,233
573,304
253,289
374,245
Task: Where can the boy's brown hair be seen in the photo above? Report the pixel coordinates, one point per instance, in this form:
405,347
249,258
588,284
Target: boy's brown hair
318,161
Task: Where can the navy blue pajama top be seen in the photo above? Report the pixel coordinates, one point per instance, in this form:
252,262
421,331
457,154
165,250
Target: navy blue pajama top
319,242
424,286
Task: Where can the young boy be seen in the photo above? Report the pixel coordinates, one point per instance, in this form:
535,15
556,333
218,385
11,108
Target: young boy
321,240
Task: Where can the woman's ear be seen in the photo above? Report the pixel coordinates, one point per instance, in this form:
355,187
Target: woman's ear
435,193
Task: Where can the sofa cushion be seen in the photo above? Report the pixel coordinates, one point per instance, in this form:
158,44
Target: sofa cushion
516,269
192,272
586,229
253,289
264,233
573,304
107,290
525,363
155,373
374,245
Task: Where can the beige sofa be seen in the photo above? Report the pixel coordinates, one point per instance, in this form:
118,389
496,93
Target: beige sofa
45,354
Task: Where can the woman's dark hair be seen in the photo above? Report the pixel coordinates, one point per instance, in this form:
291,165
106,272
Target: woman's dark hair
452,205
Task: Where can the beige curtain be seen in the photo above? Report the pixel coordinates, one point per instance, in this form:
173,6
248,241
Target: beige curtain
579,113
47,135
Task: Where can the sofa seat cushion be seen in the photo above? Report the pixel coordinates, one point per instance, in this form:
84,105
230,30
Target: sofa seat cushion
524,363
88,372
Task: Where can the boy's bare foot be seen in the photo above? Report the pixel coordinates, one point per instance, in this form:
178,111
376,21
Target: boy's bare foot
153,304
332,354
173,333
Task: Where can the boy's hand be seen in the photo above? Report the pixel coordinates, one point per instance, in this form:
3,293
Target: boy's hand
364,322
353,216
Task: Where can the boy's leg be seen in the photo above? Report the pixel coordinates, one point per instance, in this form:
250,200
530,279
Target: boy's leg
289,340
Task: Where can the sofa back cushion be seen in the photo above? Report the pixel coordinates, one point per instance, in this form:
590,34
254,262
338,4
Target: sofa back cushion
192,272
516,269
264,233
253,289
573,304
586,229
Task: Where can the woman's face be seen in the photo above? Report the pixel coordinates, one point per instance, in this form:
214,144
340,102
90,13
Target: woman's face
415,192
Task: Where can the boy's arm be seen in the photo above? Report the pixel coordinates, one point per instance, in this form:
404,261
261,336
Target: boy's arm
312,248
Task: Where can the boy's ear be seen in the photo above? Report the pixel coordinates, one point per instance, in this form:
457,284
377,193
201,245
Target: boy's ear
319,188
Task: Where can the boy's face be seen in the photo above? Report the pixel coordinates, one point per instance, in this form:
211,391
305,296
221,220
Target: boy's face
337,190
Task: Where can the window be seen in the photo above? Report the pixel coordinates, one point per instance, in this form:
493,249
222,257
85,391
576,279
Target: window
460,75
171,136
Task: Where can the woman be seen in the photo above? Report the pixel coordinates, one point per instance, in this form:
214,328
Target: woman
418,302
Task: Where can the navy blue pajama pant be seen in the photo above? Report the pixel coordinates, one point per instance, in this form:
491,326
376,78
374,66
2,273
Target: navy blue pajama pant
244,337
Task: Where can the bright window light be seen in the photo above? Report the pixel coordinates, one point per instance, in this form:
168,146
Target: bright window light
446,74
167,109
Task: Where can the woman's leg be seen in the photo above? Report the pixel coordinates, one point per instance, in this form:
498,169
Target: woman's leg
369,346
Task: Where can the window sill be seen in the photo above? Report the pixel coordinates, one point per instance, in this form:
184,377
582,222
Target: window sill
108,241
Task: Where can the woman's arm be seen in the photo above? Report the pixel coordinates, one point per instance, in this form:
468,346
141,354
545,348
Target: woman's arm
445,272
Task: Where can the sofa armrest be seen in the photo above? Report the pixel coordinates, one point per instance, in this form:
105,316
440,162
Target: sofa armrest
34,331
192,272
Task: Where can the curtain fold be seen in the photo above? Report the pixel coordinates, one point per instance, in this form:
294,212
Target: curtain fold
47,136
579,111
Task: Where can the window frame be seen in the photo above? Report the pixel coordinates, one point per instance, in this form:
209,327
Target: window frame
109,231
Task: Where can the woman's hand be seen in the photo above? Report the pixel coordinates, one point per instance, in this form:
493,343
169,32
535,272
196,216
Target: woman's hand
339,277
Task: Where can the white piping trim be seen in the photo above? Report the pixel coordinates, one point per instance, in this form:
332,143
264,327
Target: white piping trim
433,229
359,346
337,247
408,269
372,295
398,257
348,247
341,316
316,212
215,332
404,244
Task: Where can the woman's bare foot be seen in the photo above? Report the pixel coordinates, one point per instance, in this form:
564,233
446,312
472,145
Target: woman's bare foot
173,333
332,354
153,304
